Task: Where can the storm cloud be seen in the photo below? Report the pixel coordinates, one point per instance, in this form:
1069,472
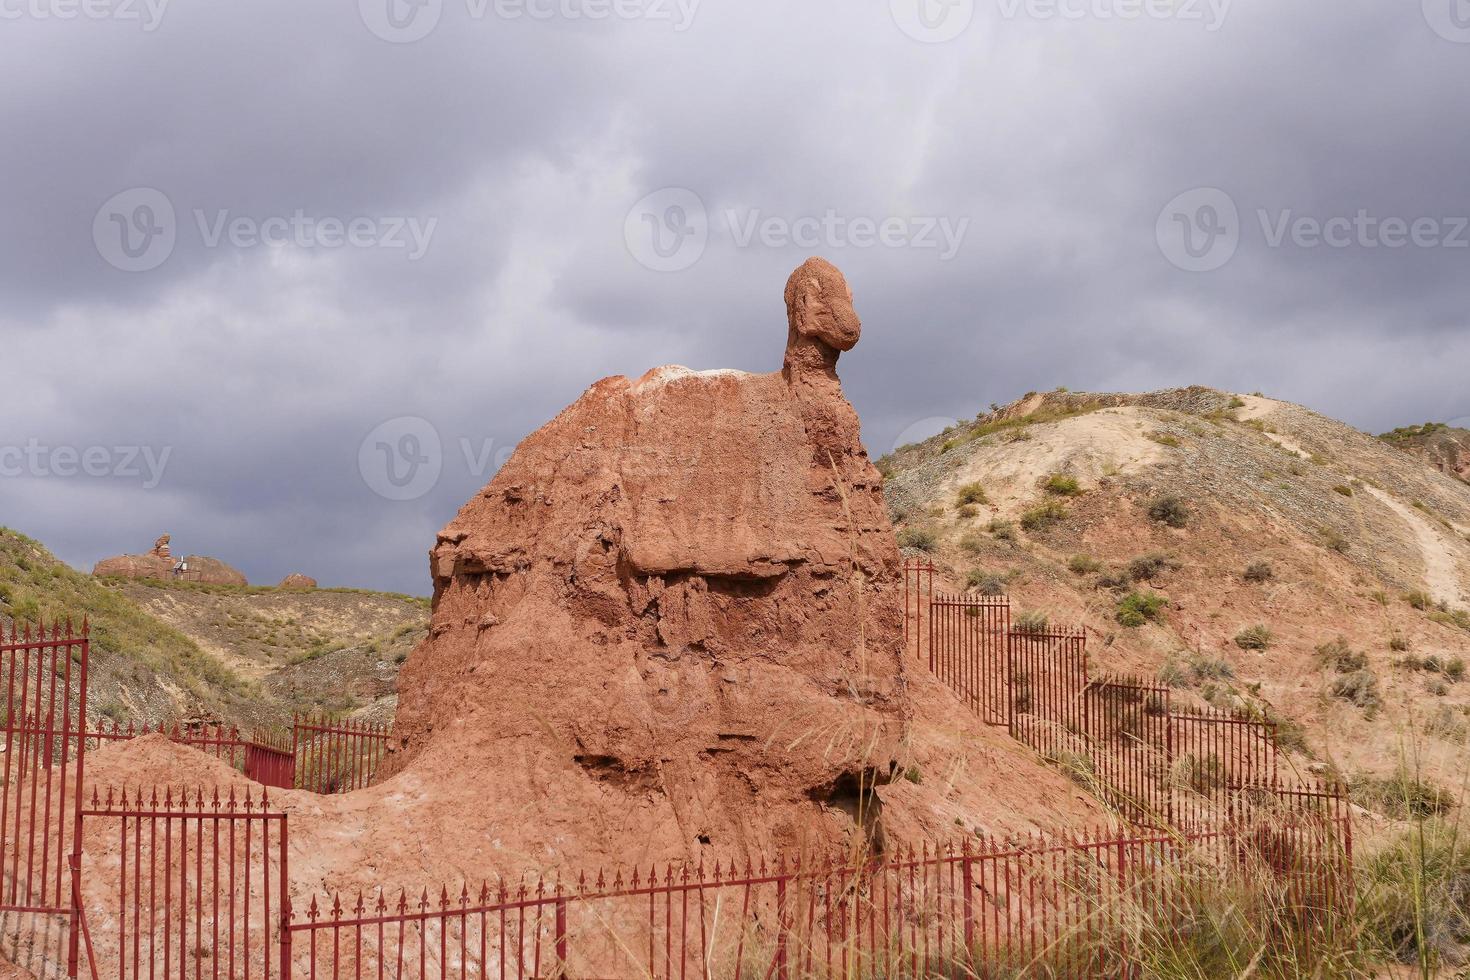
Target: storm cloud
327,262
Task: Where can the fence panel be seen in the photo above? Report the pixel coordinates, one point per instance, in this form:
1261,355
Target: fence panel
337,755
967,650
1128,730
202,887
1048,675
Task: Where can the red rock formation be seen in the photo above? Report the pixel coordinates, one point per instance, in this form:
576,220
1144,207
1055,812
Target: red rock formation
297,581
159,564
682,597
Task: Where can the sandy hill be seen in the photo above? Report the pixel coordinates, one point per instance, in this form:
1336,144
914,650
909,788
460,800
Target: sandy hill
1244,549
244,655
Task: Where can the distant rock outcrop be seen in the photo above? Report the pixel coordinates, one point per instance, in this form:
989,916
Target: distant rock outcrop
1444,447
159,564
297,581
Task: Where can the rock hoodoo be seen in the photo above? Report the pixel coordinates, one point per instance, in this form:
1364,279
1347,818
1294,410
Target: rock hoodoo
679,602
297,581
159,564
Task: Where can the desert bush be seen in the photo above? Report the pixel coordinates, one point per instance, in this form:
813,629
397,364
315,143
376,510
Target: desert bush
1339,657
1452,668
1002,530
1119,581
1137,608
1031,621
1343,489
1063,485
1148,567
1360,689
1419,600
985,582
1043,516
972,543
1258,637
1169,509
918,538
1259,571
1447,723
1333,540
1412,904
1164,439
1458,618
1084,564
971,493
968,511
1398,643
1402,795
1190,669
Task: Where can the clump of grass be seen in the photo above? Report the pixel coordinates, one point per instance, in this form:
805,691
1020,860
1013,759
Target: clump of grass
1164,439
1043,516
1398,643
1169,509
1063,485
971,493
1259,571
917,538
1031,621
1146,568
1334,540
1084,565
1137,608
1337,656
1420,600
1002,530
1359,688
1192,669
968,511
1343,489
1257,637
1452,668
985,582
972,543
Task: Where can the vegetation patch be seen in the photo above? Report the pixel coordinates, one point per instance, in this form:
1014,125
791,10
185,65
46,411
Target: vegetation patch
1137,608
1044,516
1259,571
1257,637
1169,509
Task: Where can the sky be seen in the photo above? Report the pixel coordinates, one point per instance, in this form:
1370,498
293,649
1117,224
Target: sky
289,280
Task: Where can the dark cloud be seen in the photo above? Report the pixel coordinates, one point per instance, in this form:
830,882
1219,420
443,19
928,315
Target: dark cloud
262,369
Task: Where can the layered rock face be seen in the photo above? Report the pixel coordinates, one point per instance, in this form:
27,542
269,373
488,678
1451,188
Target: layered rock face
297,581
674,615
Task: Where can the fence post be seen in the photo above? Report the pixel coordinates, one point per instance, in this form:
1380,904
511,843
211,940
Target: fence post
967,878
75,916
285,900
561,933
781,973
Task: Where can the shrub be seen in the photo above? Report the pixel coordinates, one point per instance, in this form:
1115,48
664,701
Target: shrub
1043,516
1137,608
1148,567
1419,600
1412,906
971,493
1398,643
1003,530
1333,540
1360,688
1259,571
1169,509
1339,657
1062,485
1031,621
1401,796
1343,489
1164,439
1117,581
986,583
1258,637
1448,724
1084,564
1194,669
969,511
918,538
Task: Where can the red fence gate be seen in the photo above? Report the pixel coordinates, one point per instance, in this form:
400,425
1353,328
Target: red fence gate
336,755
45,678
201,887
968,651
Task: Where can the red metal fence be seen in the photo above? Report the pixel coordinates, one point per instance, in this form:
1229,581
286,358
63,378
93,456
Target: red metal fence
1041,907
1121,736
45,678
202,887
337,755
